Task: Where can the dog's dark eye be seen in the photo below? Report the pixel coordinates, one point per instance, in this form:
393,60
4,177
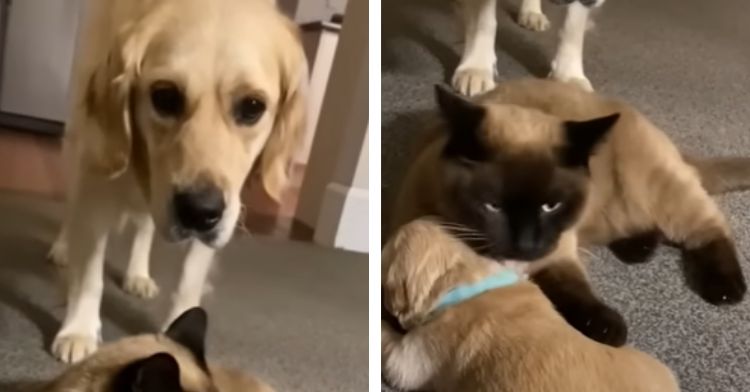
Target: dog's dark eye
248,110
167,99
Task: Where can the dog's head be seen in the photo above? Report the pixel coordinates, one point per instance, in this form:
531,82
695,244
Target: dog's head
423,260
193,96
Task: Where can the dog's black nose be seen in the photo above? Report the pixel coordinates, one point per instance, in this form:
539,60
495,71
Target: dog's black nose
199,208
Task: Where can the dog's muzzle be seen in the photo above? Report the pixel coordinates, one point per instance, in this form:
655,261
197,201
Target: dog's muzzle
198,209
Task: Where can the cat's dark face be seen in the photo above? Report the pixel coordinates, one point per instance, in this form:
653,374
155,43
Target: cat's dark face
520,205
514,203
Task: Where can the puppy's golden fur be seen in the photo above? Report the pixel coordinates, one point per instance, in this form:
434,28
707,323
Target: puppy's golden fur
171,98
635,189
508,339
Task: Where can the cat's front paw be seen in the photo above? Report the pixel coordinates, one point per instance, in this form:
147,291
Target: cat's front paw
599,322
714,272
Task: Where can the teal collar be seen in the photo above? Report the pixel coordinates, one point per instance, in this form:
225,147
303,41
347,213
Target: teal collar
466,292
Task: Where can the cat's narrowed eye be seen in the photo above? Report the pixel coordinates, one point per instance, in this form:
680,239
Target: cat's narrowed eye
493,208
551,207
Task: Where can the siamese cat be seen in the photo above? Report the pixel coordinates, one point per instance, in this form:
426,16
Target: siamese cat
477,325
169,362
535,169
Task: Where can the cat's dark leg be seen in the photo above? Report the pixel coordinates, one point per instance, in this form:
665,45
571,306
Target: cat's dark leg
637,248
565,284
694,222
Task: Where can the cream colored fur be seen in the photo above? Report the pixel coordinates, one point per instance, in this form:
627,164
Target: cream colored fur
125,161
509,339
635,170
95,374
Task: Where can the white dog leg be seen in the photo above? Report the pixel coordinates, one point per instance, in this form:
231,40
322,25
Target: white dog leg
531,17
138,281
86,238
476,73
568,63
405,362
193,280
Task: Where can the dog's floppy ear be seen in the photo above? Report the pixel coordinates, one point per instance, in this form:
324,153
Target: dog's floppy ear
108,101
290,121
157,373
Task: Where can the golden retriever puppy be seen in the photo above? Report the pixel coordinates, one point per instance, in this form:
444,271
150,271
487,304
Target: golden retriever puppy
169,362
175,103
476,325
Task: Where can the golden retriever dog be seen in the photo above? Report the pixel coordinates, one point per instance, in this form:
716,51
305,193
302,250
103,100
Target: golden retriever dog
170,362
477,325
175,103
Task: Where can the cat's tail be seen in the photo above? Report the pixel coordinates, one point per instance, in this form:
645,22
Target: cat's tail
722,175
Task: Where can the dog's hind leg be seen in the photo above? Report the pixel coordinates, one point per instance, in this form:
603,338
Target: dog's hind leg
405,361
476,72
192,284
531,17
138,281
58,252
568,63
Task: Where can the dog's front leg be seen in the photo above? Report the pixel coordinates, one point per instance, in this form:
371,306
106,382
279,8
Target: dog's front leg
531,17
568,63
476,72
86,237
193,280
138,281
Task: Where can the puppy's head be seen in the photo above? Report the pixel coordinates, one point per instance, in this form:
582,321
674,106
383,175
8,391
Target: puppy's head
195,95
422,261
172,362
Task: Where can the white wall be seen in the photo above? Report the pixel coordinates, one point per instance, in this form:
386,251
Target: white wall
38,57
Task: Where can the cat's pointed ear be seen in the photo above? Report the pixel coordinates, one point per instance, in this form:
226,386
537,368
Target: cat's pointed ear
463,118
157,373
582,138
189,330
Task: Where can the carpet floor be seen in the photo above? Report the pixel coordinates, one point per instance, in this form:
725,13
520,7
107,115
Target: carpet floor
294,314
686,65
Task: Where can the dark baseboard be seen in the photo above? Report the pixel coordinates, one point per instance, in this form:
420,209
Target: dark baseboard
31,124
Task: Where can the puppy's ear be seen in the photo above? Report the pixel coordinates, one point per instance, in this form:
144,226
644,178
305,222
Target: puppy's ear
157,373
463,118
583,137
289,124
189,330
108,101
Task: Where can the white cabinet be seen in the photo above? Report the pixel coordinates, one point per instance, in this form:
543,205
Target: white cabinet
37,58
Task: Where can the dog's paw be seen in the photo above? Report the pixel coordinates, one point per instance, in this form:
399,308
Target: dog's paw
58,253
473,81
534,21
714,272
72,348
601,323
140,286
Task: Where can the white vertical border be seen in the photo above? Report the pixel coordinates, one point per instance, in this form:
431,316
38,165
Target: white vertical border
375,193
